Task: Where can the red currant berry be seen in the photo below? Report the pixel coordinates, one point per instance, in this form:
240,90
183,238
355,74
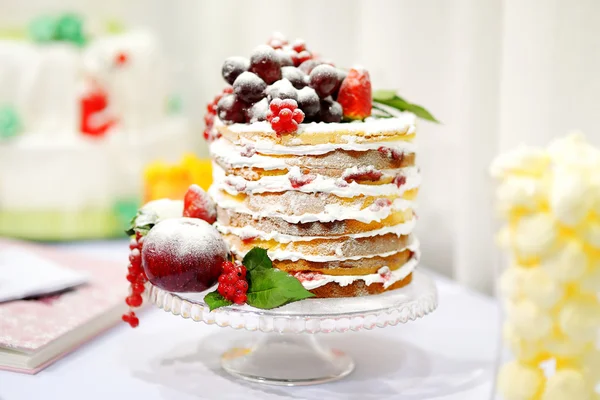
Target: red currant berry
134,300
135,258
242,272
134,270
298,116
134,322
299,45
132,278
222,289
138,236
222,279
304,56
138,288
228,267
240,299
241,285
133,244
141,278
125,317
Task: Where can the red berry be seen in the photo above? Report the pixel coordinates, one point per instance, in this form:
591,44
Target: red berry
394,154
134,322
299,181
228,267
134,300
285,115
222,279
298,116
125,317
304,56
197,204
355,94
240,299
133,244
229,292
241,285
299,45
121,59
135,258
138,288
222,289
141,278
399,180
363,174
131,278
138,236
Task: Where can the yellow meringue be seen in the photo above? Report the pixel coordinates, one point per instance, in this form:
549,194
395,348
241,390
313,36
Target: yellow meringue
568,262
567,384
527,351
517,381
523,160
538,286
534,236
579,319
530,321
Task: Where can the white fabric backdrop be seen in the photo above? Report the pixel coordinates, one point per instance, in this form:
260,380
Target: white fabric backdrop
496,73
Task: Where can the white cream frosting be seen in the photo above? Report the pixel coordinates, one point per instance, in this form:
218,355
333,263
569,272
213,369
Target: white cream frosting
402,121
333,212
320,184
249,231
383,276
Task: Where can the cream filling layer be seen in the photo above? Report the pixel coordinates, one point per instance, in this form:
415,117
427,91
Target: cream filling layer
402,121
312,281
286,255
249,231
232,154
332,212
321,184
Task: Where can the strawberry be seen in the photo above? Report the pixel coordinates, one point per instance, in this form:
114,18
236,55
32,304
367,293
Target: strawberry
197,204
355,94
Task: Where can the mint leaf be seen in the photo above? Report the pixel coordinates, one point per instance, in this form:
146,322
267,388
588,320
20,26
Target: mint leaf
214,300
270,288
391,99
257,259
143,221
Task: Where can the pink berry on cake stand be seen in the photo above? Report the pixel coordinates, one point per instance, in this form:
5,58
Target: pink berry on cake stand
289,353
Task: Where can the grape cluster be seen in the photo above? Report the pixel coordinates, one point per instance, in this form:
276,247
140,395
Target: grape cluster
278,70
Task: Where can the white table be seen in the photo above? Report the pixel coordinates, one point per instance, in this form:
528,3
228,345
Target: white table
449,355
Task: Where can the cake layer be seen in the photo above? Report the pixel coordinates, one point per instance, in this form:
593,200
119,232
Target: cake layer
390,155
357,288
299,207
331,249
372,130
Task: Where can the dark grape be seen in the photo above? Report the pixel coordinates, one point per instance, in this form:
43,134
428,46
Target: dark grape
331,111
341,76
308,66
309,102
282,89
324,79
258,111
231,109
249,87
233,67
298,78
285,58
264,62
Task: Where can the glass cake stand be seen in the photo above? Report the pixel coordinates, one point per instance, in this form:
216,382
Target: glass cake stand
290,354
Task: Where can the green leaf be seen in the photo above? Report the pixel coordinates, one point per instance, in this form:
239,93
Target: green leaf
214,300
391,99
143,221
382,95
270,288
258,259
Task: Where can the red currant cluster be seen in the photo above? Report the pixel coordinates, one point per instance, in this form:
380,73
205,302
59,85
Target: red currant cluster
232,283
284,116
137,279
211,112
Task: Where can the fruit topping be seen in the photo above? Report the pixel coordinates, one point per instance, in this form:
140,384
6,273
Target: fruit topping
249,87
393,154
297,78
355,95
331,111
324,79
264,62
399,180
232,109
309,102
308,65
284,116
197,204
258,111
368,173
232,283
234,67
183,255
282,89
298,178
277,40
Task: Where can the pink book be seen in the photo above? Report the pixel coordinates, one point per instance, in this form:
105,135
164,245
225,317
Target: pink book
35,333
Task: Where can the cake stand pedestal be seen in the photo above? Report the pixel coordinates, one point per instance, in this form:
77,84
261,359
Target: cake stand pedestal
290,354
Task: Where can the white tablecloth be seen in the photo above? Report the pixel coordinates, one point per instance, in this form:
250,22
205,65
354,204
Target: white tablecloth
448,355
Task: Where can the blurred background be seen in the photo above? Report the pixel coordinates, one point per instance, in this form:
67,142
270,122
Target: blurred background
496,73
